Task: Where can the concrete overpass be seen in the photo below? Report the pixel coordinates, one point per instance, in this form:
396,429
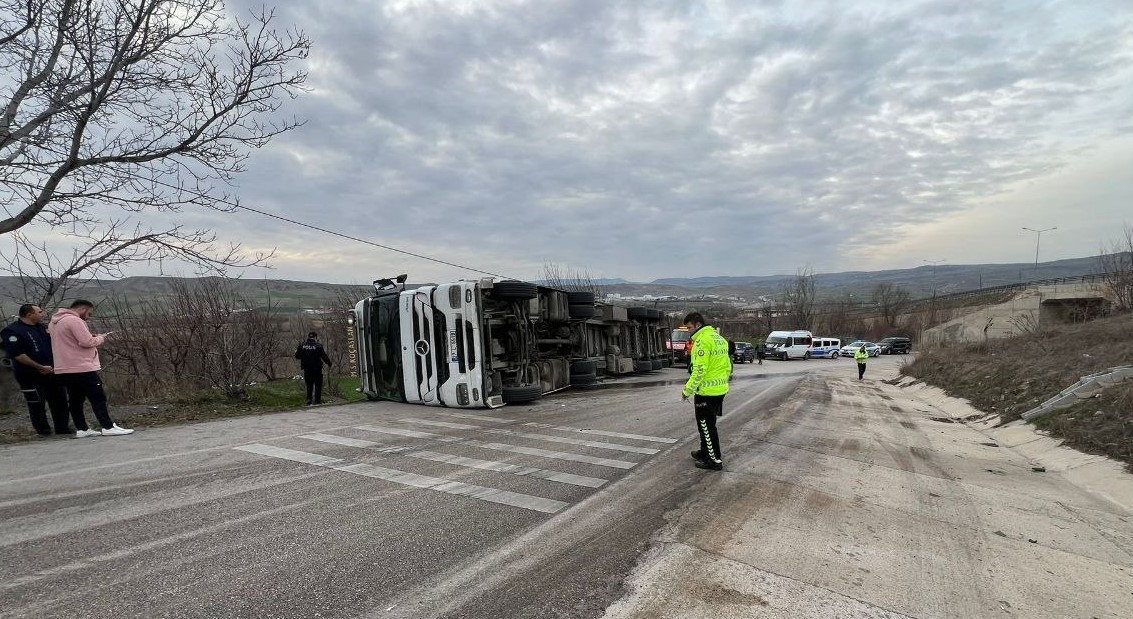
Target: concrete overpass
1036,305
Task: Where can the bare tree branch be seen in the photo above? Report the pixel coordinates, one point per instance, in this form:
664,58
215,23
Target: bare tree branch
1116,263
137,103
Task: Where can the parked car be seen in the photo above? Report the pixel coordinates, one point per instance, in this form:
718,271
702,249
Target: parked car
745,353
825,347
849,349
896,345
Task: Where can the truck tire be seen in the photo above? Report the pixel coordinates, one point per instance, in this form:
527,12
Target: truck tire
521,395
656,314
580,297
582,310
512,290
583,380
583,367
638,313
657,364
642,366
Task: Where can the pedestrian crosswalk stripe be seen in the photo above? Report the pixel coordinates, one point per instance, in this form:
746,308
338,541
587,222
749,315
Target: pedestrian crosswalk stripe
554,455
443,424
476,417
640,437
492,495
531,451
409,433
501,467
514,469
339,440
575,441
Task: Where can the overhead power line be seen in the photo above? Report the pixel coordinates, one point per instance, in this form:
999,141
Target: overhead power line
328,231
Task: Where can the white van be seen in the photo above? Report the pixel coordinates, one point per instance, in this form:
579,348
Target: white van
787,345
823,347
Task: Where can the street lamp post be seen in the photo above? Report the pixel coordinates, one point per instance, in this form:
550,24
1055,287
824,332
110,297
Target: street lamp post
934,263
1038,237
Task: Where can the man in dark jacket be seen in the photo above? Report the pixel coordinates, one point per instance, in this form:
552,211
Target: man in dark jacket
29,346
311,357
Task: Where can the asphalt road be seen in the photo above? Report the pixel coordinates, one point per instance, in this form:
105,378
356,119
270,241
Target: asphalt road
374,509
386,510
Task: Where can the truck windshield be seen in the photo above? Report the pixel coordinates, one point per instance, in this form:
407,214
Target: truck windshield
680,335
385,346
777,339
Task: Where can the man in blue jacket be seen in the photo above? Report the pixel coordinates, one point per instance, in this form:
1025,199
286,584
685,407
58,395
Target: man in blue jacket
29,347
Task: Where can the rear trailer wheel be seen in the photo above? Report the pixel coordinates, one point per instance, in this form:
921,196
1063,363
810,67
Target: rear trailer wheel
509,290
579,297
582,310
521,395
638,313
583,380
657,364
642,366
583,367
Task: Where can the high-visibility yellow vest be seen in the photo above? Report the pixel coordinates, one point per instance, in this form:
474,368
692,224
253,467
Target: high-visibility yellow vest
860,355
711,364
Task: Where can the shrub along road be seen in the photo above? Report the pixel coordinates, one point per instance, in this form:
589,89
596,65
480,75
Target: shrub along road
839,498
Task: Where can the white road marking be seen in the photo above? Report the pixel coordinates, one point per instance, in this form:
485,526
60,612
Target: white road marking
554,455
442,424
575,441
339,440
476,417
640,437
501,467
492,495
409,433
514,469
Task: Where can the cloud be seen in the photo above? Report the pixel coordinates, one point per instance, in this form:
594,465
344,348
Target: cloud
660,139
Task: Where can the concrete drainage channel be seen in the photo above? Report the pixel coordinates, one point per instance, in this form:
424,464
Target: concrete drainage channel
1087,387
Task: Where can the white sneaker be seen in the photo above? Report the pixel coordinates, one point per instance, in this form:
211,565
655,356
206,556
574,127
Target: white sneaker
86,433
115,430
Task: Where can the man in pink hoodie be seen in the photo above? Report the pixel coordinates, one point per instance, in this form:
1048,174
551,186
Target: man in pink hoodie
76,363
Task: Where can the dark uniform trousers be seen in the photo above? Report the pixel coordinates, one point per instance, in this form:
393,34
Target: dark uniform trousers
314,381
708,408
41,391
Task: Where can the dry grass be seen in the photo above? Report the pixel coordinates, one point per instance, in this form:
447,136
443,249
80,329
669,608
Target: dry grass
1012,376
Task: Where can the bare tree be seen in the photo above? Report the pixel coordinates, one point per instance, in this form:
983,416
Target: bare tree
114,109
799,299
573,280
891,300
1117,269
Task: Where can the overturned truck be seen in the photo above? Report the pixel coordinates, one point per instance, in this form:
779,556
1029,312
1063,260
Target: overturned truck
489,342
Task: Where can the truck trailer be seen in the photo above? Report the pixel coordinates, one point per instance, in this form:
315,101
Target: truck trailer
489,342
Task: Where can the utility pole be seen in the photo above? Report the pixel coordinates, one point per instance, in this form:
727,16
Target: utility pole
1038,237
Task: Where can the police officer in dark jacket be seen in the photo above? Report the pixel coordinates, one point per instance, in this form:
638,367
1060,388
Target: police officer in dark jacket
311,357
29,346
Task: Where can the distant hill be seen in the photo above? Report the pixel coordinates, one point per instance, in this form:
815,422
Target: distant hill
282,293
920,282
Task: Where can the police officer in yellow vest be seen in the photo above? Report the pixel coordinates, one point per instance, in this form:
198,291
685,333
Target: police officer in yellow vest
861,356
707,385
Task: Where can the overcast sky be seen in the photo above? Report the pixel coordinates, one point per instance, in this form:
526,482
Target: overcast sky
665,139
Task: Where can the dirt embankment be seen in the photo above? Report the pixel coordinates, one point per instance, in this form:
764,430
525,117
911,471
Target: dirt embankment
1011,376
